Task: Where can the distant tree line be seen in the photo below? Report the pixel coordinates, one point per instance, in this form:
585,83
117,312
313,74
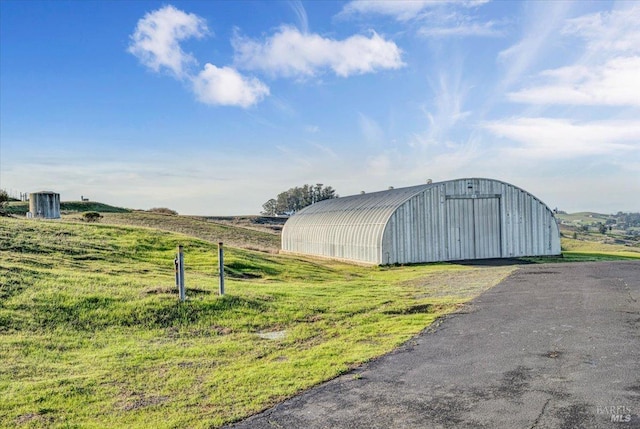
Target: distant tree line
627,219
289,202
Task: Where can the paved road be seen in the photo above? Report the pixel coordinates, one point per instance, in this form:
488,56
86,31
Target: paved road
553,346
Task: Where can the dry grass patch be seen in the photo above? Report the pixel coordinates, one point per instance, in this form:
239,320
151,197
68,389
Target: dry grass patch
230,235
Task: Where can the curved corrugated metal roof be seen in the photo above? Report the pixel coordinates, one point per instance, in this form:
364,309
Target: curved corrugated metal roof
381,203
360,219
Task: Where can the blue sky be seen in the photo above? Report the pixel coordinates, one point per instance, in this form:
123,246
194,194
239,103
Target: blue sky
212,107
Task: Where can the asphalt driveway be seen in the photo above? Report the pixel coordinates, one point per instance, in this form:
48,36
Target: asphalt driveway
552,346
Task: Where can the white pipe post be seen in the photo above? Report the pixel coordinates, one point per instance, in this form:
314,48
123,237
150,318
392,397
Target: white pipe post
221,267
181,273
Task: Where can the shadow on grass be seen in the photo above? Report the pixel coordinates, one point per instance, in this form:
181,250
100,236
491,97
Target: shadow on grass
176,313
98,312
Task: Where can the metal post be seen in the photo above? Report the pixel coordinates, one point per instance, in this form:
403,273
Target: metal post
221,267
181,273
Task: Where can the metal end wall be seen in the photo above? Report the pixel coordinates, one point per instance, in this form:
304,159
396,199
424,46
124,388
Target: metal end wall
455,220
470,219
45,205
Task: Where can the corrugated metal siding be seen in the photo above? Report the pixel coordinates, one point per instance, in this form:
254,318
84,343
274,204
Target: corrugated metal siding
345,228
487,228
458,219
45,205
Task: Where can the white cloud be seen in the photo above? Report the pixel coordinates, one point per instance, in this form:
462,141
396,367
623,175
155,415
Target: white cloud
615,31
443,22
542,27
301,15
607,74
602,70
155,41
401,10
292,53
445,113
562,138
289,52
225,86
616,83
462,29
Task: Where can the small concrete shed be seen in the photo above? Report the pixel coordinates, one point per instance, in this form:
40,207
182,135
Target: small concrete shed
44,204
447,221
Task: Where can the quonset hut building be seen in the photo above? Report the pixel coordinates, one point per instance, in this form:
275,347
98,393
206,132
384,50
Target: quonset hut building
447,221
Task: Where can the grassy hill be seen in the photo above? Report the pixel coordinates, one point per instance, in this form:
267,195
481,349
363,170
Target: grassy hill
92,333
584,217
22,207
231,235
244,232
618,229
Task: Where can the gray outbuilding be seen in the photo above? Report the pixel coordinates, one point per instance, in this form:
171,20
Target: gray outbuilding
44,204
447,221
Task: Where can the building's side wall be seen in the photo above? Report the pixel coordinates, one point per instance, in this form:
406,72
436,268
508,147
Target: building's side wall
347,228
346,241
469,219
347,231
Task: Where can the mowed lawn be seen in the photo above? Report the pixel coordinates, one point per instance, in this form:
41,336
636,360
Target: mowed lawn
92,333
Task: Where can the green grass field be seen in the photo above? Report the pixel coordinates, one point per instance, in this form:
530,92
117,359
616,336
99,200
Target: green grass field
583,217
21,207
92,334
585,250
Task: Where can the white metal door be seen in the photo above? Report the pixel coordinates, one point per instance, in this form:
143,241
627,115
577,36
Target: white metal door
486,221
473,227
460,229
